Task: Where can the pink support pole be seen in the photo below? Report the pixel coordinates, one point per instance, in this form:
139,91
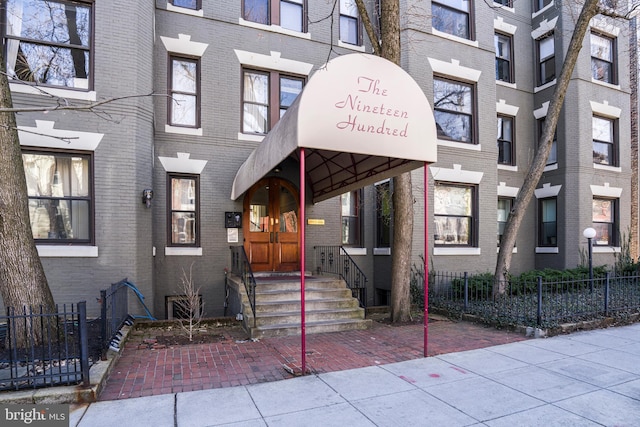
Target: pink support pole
303,344
426,257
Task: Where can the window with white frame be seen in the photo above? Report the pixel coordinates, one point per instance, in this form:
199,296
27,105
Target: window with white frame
60,190
545,47
454,214
184,206
547,222
184,92
49,42
188,4
605,221
603,51
504,54
452,17
454,107
504,208
604,141
350,26
506,143
289,14
351,218
262,104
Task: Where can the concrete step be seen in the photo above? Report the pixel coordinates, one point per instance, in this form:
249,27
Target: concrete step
294,305
290,317
309,294
271,284
310,328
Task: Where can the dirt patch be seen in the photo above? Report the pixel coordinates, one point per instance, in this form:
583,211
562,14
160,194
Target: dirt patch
199,338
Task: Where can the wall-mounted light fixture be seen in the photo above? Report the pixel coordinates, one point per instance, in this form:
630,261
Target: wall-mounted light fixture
147,195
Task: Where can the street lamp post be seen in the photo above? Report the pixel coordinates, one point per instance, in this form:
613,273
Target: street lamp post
590,233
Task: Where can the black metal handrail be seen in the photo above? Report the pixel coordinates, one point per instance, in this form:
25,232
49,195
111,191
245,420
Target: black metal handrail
241,267
336,260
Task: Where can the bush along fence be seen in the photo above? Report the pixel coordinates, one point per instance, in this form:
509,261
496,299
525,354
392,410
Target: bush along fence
543,299
39,349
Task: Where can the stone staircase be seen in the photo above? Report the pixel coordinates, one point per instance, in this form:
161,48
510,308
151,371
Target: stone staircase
329,306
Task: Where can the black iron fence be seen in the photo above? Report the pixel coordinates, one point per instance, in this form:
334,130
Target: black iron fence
336,260
531,302
241,267
40,349
114,312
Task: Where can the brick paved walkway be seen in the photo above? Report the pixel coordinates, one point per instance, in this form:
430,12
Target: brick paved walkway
146,368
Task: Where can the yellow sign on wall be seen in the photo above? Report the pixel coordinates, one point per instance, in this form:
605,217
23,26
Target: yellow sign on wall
315,221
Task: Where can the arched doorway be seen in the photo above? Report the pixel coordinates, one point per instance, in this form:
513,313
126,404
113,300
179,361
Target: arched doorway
271,225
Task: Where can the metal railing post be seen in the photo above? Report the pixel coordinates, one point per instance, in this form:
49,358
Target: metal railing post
84,342
539,311
606,294
466,292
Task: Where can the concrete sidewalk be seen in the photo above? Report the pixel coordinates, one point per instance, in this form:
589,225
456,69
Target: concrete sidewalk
583,379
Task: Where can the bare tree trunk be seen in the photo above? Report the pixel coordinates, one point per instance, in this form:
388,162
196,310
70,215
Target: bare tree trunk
22,279
589,10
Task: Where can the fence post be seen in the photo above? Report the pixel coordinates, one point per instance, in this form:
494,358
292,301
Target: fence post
606,294
84,342
466,292
103,321
539,314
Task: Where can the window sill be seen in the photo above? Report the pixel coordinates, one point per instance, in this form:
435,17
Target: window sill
448,36
606,250
456,251
250,137
546,250
607,167
59,93
514,251
508,168
355,251
382,251
505,8
274,29
176,251
605,84
172,8
536,13
551,167
67,251
506,84
350,46
182,130
461,145
544,86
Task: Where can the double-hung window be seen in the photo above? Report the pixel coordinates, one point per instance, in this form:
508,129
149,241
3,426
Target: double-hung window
60,191
184,91
351,218
547,223
454,108
506,143
184,206
602,58
553,153
452,17
605,221
383,214
604,141
454,215
350,26
546,59
540,4
266,97
188,4
504,55
289,14
504,208
49,42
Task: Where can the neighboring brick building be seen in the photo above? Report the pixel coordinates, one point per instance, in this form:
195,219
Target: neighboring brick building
210,79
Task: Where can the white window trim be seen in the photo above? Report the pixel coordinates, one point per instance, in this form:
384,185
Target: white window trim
183,130
183,164
184,10
44,135
503,7
547,250
459,145
542,111
549,6
183,45
503,108
451,37
605,110
545,27
508,168
454,69
439,250
505,191
506,84
547,191
606,191
250,137
606,249
274,29
67,251
545,86
605,27
176,251
353,251
273,62
500,25
457,174
55,92
551,167
357,48
607,168
382,251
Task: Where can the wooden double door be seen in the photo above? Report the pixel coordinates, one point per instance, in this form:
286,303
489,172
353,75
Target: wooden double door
271,225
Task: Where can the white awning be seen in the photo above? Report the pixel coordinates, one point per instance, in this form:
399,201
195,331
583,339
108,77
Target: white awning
360,118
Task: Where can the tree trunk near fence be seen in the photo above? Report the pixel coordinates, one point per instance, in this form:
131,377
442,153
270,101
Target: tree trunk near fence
22,279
